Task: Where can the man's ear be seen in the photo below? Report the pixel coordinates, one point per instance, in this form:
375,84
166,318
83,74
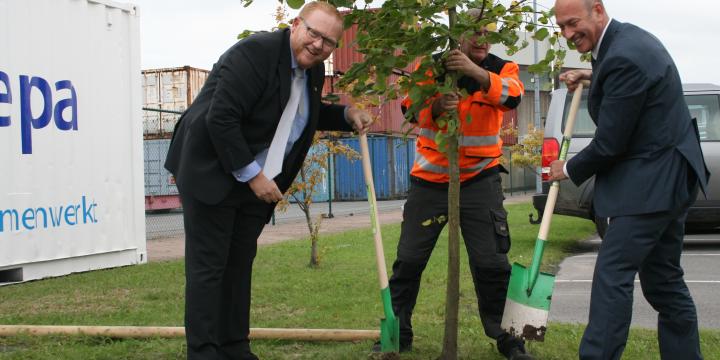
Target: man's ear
598,8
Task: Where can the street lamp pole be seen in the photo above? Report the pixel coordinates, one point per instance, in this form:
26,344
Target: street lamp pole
538,125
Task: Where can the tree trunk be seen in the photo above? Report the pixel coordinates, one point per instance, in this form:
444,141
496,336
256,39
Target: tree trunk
313,229
452,298
314,259
452,295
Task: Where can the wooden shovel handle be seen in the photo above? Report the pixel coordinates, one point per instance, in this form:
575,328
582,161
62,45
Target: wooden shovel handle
567,135
375,221
140,332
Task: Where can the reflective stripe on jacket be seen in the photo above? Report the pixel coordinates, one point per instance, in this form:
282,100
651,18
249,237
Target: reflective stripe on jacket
480,144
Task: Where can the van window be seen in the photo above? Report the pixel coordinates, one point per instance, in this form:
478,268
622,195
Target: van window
584,126
706,110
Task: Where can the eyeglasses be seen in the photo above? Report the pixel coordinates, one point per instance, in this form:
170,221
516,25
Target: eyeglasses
315,35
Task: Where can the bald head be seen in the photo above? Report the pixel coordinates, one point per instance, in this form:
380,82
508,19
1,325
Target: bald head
581,22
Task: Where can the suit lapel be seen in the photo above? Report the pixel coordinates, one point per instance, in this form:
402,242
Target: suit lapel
283,71
315,76
613,28
595,91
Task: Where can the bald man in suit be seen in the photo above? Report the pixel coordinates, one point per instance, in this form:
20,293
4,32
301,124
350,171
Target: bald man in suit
648,167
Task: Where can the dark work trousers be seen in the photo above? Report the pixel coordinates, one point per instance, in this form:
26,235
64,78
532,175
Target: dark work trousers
220,246
483,222
648,244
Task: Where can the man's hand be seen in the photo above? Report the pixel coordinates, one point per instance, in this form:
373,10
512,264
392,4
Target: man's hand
458,61
573,77
556,170
359,119
445,103
265,189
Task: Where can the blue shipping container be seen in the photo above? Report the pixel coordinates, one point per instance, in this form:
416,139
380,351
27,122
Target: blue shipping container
391,159
158,181
321,190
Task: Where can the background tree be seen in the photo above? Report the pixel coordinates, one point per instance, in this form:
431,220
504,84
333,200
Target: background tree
401,31
311,175
528,150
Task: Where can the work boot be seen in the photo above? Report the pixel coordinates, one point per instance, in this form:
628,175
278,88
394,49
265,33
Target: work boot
517,353
404,347
513,348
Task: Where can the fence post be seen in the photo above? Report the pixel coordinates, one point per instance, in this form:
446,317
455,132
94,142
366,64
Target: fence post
330,185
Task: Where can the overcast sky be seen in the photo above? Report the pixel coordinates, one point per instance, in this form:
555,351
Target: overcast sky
184,32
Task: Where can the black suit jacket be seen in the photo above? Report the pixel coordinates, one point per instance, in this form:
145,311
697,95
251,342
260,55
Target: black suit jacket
236,114
646,147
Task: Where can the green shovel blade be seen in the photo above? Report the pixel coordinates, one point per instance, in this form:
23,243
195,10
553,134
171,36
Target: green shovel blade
526,312
389,326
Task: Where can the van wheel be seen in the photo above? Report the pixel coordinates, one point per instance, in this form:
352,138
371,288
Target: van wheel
601,224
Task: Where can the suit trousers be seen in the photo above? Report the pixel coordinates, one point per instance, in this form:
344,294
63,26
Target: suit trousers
651,245
483,222
220,246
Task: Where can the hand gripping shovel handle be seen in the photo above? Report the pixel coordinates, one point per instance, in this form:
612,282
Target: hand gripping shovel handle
554,188
389,327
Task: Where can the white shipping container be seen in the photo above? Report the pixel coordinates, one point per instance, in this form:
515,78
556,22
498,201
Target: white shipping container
168,89
71,194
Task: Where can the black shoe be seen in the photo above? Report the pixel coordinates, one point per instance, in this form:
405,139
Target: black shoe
377,347
513,348
519,354
249,356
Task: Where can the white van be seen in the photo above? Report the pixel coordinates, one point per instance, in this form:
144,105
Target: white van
703,100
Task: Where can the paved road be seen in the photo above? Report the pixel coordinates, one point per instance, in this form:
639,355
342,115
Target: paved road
700,259
169,224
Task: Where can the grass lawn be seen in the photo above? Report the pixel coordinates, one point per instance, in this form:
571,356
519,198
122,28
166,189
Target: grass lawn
342,293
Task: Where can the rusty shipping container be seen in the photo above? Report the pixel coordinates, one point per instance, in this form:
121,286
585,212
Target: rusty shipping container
168,89
390,119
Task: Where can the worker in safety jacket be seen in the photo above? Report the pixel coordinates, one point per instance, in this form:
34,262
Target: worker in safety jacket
493,87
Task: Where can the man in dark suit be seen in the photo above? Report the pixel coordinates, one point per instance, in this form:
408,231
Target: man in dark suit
648,165
218,157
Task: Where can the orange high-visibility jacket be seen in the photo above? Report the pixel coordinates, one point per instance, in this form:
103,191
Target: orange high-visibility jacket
480,145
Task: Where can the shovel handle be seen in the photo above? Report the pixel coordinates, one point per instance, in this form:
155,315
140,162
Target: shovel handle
567,135
553,193
375,221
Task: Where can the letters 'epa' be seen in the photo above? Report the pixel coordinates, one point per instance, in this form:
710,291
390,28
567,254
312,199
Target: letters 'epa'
64,120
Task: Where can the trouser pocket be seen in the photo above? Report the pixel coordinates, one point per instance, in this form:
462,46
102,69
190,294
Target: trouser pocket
502,231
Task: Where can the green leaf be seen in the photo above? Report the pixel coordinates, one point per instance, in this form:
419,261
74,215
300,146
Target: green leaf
541,34
245,34
549,56
439,138
539,68
452,127
427,222
333,98
296,4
